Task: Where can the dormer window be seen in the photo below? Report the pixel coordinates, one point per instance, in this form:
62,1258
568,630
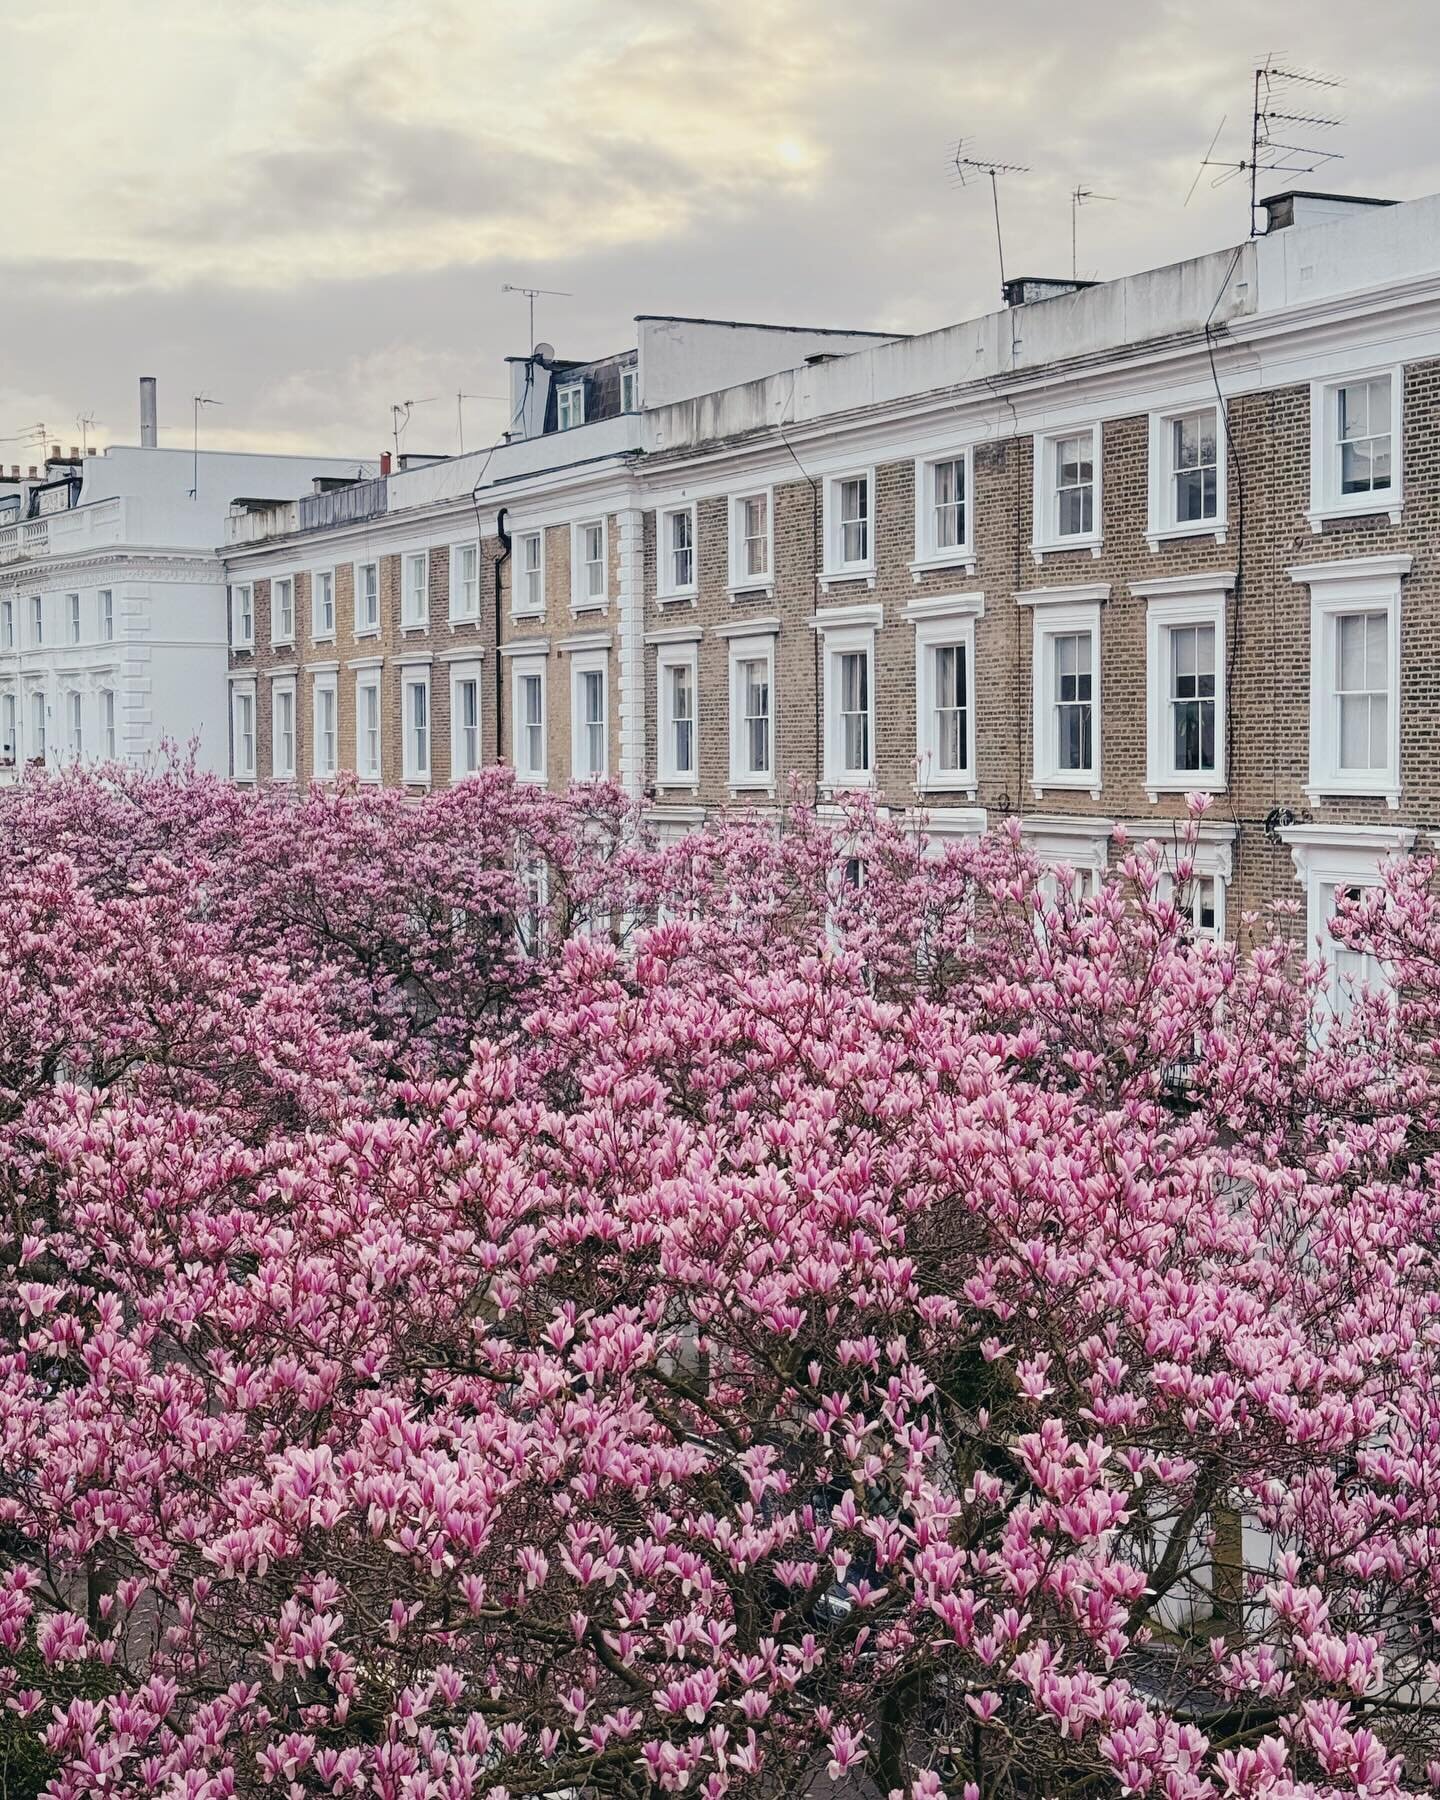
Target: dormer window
570,405
629,390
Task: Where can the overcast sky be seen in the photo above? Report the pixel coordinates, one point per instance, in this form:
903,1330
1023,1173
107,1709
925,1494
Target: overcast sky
306,208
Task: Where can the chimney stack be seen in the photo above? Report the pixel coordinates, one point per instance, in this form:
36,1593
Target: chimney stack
149,430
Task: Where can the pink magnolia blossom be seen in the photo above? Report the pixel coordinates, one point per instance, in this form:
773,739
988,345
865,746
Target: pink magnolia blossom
698,1320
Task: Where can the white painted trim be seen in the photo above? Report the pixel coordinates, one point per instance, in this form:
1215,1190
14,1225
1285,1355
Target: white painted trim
1161,524
1326,500
1051,622
1177,607
1045,538
1359,584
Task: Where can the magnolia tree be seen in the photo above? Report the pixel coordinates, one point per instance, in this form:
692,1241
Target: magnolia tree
492,1304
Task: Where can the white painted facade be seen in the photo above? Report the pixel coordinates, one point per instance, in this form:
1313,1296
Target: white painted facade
113,633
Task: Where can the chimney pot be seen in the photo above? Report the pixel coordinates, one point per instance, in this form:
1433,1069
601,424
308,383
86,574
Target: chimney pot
33,472
54,453
149,425
384,462
74,453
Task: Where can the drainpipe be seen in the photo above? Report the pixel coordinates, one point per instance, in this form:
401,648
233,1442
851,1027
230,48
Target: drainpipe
504,557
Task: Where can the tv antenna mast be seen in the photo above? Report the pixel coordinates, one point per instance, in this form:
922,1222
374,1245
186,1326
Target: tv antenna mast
460,400
199,401
969,170
400,411
84,424
1289,105
1080,196
531,294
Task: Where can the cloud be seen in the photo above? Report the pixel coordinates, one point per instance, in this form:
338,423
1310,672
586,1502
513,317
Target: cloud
309,208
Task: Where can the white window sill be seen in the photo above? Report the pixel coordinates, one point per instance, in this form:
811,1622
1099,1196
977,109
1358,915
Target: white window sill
1183,784
1370,507
1156,535
860,572
367,631
247,779
420,781
1084,782
530,612
235,650
282,781
409,626
678,597
847,784
677,784
531,777
1337,788
1091,543
277,643
588,606
967,787
323,637
456,619
746,786
958,558
752,590
368,780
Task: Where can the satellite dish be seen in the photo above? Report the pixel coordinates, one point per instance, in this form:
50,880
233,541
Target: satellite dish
543,351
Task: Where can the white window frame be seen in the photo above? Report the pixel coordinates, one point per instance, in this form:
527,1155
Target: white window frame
320,632
1351,585
753,646
243,690
1330,857
39,726
1045,528
325,684
460,674
1175,602
280,634
1058,612
461,612
1162,524
417,752
666,586
582,663
581,600
415,593
521,604
521,668
74,724
10,724
366,627
7,624
74,618
1057,842
105,603
37,620
845,631
368,681
109,723
1210,856
928,553
630,390
282,687
1326,500
569,405
944,622
741,582
834,566
668,659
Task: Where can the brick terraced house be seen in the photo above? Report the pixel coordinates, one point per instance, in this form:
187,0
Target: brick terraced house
1064,562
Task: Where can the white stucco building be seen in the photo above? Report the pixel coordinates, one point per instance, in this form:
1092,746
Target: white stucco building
113,636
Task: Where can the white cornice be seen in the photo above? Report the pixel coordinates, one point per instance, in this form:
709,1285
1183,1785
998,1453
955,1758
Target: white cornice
1205,581
1351,568
1081,593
